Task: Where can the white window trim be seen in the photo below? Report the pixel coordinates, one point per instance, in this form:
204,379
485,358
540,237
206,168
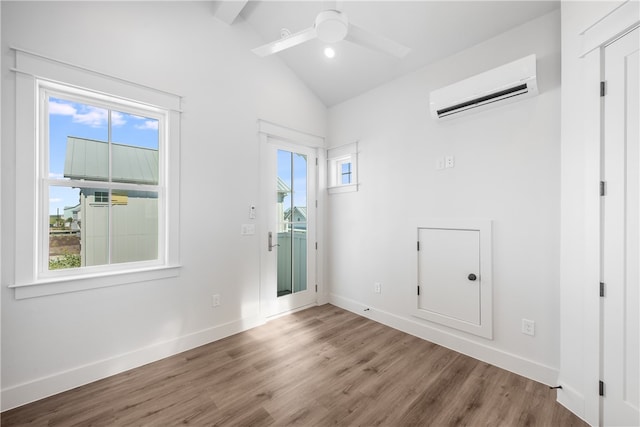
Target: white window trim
336,157
30,70
47,89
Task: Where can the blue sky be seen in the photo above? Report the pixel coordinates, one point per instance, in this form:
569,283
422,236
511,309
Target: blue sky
67,118
292,169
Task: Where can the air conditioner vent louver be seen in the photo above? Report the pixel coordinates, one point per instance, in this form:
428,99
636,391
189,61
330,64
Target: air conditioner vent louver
508,83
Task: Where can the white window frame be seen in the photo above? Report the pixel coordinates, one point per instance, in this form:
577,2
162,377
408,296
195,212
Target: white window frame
45,181
336,157
37,75
339,164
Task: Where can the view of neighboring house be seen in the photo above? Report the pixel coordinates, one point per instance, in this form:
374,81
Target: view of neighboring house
292,241
283,191
297,216
73,217
134,221
289,217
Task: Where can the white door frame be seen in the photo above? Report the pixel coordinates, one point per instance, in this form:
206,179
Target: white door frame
606,30
289,138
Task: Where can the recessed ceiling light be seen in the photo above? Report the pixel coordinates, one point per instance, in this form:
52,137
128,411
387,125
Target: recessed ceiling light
329,52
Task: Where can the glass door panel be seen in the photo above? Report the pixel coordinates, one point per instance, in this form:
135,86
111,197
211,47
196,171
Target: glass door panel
292,222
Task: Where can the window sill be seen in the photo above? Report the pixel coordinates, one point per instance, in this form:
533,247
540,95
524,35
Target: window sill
343,188
81,283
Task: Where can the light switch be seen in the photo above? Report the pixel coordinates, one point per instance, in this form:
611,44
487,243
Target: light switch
440,163
247,229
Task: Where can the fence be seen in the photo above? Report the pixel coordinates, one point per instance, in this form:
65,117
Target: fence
292,261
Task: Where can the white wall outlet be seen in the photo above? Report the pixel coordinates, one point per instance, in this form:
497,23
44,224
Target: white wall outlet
215,300
449,161
528,327
377,287
440,163
247,229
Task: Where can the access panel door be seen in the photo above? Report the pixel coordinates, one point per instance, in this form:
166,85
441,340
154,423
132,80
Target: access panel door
449,273
451,288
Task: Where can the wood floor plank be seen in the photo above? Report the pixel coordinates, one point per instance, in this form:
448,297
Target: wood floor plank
317,367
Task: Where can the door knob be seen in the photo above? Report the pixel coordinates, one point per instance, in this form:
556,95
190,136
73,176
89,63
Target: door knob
472,277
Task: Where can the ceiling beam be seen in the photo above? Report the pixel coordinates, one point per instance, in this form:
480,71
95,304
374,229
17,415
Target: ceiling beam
228,11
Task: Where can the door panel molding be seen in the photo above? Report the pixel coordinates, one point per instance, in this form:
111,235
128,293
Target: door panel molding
620,234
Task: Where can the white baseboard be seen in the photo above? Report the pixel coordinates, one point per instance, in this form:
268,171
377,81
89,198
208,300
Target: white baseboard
571,399
12,397
502,359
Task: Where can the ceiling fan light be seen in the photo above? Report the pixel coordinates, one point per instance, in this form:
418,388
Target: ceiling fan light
331,26
329,52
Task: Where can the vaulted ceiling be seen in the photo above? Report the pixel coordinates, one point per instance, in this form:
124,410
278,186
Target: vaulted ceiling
432,29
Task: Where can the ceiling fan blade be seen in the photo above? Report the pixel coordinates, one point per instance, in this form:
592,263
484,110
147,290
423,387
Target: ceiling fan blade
376,42
285,43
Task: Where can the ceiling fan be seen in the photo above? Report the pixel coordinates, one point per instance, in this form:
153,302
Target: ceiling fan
332,26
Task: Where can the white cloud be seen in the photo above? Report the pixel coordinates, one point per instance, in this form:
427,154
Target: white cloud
56,200
117,119
86,114
61,109
91,116
148,125
54,175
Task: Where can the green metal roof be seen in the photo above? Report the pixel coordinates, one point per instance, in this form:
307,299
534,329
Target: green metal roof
302,210
89,159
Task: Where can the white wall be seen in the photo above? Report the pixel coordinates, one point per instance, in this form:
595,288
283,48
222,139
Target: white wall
507,169
57,342
579,315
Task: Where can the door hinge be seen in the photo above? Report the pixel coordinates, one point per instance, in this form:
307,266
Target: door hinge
603,88
316,246
316,203
603,188
316,288
418,289
601,289
316,161
601,388
418,244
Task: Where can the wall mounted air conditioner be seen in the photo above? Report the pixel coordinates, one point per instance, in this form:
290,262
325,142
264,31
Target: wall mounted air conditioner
510,82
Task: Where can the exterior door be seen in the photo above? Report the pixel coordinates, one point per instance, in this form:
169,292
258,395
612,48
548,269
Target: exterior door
289,243
621,235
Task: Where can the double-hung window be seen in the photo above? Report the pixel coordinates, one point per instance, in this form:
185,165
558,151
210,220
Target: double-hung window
102,181
99,205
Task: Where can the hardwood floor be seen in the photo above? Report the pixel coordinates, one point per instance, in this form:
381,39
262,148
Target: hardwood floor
322,366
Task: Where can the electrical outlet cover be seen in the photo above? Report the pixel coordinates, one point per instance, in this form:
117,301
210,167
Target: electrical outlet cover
449,161
528,327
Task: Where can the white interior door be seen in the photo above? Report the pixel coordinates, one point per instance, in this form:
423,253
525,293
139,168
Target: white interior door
288,254
621,235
